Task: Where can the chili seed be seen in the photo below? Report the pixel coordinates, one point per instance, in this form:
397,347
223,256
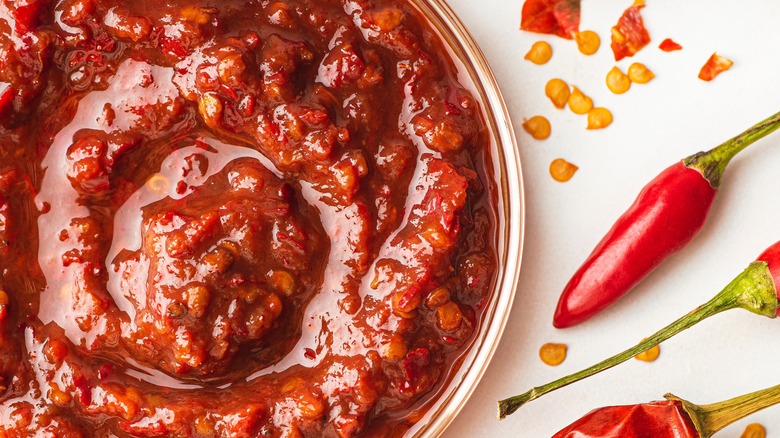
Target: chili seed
553,354
159,184
58,397
55,351
649,355
176,310
282,281
210,108
754,430
219,260
395,349
309,405
449,316
558,91
273,305
579,103
588,42
198,299
540,53
640,74
437,298
599,118
561,170
538,126
231,69
617,81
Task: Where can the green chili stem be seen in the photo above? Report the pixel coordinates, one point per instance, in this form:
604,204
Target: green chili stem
752,290
714,417
713,163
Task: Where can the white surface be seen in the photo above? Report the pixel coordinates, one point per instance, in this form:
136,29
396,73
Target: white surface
655,124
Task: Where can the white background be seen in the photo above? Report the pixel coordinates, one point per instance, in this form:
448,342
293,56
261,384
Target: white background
655,124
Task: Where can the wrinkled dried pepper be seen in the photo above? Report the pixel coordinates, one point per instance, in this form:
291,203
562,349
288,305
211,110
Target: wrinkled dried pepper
673,418
666,215
754,290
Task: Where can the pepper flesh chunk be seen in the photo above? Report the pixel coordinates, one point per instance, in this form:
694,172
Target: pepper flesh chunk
629,34
666,215
714,66
663,419
554,17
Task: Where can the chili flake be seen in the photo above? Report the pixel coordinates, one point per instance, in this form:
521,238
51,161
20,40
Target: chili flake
668,45
554,17
629,34
715,65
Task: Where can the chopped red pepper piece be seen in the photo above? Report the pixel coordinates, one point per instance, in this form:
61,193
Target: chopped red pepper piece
668,45
629,34
554,17
715,65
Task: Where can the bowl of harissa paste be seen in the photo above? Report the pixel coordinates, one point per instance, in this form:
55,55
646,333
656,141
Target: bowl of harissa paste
231,218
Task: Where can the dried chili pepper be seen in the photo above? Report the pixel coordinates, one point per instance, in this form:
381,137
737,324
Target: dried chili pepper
754,290
629,34
666,215
673,418
554,17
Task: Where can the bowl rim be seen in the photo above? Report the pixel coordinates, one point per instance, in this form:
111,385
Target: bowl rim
511,211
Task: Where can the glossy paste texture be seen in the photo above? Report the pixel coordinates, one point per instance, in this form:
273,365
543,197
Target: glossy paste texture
229,218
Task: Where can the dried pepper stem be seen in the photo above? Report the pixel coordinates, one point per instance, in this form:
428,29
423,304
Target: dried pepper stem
712,418
752,290
713,163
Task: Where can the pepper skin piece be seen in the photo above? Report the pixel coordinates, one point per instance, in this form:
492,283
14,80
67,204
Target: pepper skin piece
553,17
663,419
665,216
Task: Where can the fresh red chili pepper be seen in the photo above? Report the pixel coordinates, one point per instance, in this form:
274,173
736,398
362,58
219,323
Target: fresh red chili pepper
666,215
673,418
754,290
